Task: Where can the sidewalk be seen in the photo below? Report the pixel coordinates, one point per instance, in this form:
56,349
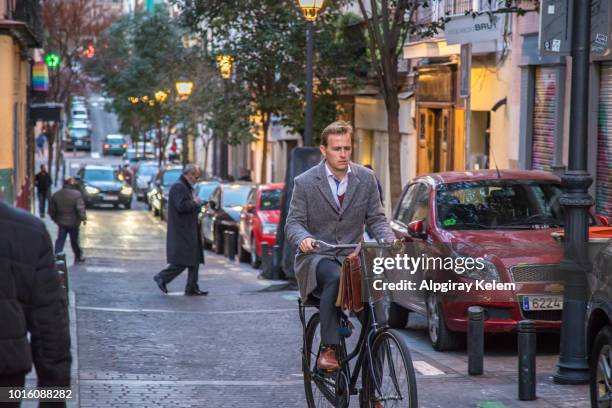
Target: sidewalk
72,319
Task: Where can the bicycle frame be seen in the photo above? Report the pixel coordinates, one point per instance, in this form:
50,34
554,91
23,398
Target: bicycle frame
369,326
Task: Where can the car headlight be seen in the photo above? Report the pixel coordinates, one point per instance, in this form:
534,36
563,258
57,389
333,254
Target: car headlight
91,190
126,190
488,273
268,228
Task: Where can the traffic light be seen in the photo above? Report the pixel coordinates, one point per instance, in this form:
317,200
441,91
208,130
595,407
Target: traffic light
90,51
52,60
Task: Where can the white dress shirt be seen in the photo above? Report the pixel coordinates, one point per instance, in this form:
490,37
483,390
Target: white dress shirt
337,187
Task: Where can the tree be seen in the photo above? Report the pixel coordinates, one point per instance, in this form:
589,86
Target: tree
266,39
69,26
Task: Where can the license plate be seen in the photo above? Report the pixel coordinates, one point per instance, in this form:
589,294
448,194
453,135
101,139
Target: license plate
544,302
110,198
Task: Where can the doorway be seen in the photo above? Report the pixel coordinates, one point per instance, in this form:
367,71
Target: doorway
435,147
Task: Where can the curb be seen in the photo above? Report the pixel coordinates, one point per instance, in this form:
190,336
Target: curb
74,351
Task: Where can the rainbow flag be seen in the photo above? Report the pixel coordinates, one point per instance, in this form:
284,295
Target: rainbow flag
40,77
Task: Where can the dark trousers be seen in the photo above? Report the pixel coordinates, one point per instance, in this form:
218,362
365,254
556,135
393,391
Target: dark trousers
172,271
74,240
43,195
328,282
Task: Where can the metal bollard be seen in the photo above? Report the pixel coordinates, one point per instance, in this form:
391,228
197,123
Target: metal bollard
229,249
475,340
266,261
527,360
276,268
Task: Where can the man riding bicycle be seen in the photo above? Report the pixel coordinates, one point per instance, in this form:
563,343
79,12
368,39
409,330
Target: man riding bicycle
332,202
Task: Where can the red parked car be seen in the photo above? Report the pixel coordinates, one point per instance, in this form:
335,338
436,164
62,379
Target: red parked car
258,222
504,218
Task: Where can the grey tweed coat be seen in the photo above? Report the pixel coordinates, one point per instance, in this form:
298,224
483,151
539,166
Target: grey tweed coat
313,212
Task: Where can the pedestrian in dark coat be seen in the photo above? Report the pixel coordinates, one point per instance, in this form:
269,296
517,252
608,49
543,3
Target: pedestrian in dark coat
67,209
31,301
183,243
43,186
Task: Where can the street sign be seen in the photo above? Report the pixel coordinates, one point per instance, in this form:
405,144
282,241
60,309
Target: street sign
468,29
556,27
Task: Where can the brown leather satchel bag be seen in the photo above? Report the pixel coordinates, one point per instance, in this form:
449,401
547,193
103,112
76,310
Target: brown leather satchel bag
349,292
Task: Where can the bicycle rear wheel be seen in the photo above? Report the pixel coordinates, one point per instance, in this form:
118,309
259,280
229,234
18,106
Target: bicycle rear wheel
320,387
390,380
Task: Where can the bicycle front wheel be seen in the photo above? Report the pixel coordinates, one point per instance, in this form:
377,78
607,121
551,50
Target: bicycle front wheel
389,380
320,387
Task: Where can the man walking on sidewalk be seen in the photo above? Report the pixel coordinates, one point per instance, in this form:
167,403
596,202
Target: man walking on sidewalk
43,185
31,302
183,241
67,209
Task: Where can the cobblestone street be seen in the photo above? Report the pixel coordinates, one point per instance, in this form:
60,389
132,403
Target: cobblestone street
239,346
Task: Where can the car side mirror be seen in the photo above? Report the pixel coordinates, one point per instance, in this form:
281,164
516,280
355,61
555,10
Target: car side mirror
250,208
416,229
77,178
212,205
603,220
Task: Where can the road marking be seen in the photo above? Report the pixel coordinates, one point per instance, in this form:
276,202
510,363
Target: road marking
425,368
219,312
95,155
292,297
235,383
102,269
491,404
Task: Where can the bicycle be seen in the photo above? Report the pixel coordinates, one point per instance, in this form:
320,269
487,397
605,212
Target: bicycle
383,357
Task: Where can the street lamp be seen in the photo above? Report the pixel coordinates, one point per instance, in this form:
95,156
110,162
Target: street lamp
311,9
573,367
184,89
224,62
225,65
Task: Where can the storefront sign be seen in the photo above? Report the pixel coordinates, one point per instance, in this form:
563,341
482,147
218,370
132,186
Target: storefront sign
468,29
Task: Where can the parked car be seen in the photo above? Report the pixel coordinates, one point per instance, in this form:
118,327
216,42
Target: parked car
505,218
114,144
258,222
101,185
599,327
132,157
145,171
160,187
79,138
222,213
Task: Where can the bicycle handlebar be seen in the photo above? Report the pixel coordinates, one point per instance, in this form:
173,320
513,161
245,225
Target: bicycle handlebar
396,244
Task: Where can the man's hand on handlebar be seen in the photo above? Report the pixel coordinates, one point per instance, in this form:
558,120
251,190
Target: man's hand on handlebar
308,245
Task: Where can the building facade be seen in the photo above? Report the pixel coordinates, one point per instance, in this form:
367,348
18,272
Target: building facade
20,33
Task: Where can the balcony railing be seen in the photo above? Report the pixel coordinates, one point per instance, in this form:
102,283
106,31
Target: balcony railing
29,12
454,7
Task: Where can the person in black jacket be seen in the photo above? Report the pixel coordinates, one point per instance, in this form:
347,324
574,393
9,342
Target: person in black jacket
183,242
43,185
31,301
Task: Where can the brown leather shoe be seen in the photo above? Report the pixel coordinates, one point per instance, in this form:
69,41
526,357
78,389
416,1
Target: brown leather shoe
327,360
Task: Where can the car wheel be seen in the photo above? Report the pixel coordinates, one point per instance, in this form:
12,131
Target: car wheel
243,256
255,260
398,316
155,212
440,336
128,205
601,369
218,242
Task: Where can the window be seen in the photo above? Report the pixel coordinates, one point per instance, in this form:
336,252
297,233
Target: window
170,177
404,211
421,204
510,204
100,175
270,200
233,196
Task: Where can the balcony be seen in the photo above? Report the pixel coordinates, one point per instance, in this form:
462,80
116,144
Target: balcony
22,19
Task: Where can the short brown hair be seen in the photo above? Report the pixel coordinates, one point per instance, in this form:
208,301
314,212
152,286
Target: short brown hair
338,127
